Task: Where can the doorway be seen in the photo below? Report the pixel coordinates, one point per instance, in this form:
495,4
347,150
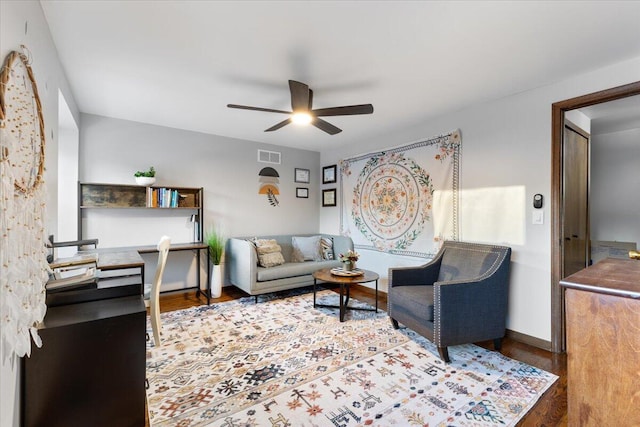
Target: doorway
558,110
68,153
575,199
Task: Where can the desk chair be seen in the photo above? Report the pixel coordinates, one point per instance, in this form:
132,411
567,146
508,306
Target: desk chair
152,290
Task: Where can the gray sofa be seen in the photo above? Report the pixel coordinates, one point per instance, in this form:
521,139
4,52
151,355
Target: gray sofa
246,274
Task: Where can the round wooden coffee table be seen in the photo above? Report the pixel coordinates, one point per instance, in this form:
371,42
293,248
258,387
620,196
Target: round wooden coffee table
345,282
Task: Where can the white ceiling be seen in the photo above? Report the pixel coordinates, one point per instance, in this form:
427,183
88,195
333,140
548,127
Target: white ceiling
614,116
179,63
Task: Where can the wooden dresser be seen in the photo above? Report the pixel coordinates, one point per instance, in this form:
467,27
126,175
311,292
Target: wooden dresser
603,344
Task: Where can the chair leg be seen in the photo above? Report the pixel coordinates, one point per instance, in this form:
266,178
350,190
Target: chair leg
155,322
444,354
394,323
497,344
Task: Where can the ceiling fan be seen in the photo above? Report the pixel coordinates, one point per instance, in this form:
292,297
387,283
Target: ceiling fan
303,112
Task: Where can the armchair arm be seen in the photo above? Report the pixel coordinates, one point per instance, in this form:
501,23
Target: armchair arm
242,264
425,274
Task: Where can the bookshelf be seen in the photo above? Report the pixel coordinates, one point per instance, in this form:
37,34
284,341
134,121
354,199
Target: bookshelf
153,199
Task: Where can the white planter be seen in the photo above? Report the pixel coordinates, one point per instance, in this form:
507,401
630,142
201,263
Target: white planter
145,180
216,281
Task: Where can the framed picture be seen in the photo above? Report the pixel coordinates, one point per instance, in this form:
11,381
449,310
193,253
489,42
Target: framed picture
329,174
301,175
329,197
302,193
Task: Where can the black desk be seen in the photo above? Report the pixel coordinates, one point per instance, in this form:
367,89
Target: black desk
91,367
197,247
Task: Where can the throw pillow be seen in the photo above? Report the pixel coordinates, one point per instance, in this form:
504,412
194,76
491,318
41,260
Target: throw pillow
269,252
271,259
306,249
326,244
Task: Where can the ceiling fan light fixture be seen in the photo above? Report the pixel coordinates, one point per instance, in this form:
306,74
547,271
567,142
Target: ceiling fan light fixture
301,118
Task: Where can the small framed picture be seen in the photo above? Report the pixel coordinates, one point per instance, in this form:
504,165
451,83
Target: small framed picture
302,193
301,175
329,197
329,174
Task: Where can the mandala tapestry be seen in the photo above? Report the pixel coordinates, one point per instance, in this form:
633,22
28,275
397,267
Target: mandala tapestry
403,200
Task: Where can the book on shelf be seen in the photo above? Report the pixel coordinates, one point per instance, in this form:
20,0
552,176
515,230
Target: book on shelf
163,198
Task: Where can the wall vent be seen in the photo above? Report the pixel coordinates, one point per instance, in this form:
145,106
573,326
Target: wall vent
265,156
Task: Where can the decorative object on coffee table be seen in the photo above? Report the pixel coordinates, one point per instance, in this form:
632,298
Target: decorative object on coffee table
349,259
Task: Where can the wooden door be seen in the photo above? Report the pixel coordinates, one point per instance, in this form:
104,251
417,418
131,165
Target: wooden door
575,206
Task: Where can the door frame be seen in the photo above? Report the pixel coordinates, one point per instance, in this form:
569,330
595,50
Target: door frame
558,110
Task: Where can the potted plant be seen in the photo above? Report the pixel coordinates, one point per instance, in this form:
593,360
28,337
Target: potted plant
145,178
349,259
216,243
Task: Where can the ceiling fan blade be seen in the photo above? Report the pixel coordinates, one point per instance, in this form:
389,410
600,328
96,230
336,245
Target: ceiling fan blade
279,125
347,110
299,96
268,110
325,126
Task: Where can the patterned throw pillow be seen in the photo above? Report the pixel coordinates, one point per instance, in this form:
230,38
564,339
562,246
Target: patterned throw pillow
269,252
326,244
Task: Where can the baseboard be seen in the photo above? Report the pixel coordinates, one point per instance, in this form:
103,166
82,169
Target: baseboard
368,290
528,339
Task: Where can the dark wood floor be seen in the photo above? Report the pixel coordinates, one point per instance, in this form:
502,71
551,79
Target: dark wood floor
551,409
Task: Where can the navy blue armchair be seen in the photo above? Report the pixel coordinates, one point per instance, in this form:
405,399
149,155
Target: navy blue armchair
458,297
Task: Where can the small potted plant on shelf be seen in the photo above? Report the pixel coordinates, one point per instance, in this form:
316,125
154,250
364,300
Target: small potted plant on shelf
216,243
349,259
145,178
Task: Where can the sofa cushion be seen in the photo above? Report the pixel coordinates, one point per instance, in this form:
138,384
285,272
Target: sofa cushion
293,269
306,249
416,301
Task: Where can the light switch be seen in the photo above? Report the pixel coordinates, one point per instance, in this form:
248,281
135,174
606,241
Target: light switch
538,217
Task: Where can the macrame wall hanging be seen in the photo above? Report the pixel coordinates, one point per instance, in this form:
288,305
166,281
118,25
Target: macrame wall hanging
23,264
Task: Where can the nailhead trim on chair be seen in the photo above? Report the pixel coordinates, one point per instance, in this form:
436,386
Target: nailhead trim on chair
436,287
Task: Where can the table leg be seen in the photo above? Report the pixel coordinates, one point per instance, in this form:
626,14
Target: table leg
346,301
315,281
376,295
342,309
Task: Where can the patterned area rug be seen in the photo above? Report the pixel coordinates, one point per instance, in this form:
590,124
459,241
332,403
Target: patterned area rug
284,363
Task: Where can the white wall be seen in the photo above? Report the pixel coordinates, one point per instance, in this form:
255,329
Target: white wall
505,143
111,150
615,184
22,22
